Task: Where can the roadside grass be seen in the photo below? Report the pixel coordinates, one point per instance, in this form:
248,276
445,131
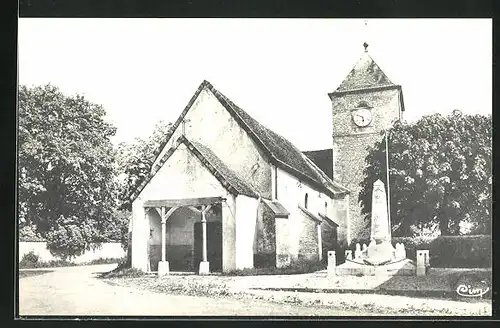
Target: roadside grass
215,287
299,267
235,287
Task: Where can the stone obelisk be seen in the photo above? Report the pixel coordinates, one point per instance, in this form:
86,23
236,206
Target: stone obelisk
380,250
380,219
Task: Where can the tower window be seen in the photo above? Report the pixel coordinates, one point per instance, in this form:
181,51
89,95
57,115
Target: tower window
326,207
305,200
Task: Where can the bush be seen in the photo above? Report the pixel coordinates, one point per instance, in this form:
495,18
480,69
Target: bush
29,260
461,251
444,251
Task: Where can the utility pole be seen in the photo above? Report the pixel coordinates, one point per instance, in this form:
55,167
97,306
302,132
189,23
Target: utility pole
388,183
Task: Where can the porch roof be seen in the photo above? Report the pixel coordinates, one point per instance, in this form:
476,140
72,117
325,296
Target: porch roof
183,202
231,180
278,209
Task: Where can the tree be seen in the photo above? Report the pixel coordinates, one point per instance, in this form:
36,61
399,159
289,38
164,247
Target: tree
440,172
135,160
67,169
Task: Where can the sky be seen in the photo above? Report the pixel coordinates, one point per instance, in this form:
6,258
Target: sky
278,70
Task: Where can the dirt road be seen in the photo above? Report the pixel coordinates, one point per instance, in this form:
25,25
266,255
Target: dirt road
76,291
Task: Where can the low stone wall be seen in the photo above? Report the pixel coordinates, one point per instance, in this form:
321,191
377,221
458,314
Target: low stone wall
107,250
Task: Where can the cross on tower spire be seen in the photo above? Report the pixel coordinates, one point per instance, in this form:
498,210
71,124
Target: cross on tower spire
365,44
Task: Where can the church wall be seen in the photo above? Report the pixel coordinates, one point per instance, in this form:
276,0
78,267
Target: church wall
308,238
246,219
229,234
182,176
265,238
212,125
291,194
350,144
341,217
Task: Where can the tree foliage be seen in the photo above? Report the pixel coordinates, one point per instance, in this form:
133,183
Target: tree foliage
135,160
66,169
440,173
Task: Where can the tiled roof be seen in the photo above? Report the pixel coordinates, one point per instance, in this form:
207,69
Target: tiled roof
228,178
278,209
282,152
323,159
232,178
365,74
332,184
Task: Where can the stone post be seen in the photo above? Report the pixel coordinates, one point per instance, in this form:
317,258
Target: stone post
332,263
357,252
421,260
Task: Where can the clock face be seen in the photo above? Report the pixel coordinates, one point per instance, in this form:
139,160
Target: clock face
362,117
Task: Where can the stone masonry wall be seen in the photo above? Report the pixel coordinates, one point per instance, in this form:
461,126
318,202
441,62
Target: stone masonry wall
353,151
350,144
308,239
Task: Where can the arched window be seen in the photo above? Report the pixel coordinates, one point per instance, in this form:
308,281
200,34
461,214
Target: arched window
305,200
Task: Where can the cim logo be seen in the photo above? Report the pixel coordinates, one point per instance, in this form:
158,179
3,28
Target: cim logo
472,287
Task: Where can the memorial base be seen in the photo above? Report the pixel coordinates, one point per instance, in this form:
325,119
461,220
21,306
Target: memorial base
404,267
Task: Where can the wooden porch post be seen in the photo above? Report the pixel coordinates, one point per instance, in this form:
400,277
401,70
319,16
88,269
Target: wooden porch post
204,264
204,230
163,235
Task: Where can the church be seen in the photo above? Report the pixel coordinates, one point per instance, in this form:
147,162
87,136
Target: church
226,193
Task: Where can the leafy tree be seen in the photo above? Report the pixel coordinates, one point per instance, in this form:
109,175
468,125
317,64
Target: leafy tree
135,160
67,169
440,173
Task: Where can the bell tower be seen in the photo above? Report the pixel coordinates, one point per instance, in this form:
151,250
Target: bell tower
363,105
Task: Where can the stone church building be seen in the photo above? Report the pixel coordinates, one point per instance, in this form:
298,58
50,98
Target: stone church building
227,193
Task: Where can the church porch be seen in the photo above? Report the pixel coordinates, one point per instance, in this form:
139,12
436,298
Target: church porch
184,235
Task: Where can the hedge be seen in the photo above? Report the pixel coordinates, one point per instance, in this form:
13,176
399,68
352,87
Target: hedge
444,251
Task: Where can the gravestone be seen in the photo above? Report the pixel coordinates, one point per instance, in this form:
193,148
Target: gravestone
357,252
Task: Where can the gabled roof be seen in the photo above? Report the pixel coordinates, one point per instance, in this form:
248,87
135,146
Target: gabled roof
279,150
365,74
323,159
228,178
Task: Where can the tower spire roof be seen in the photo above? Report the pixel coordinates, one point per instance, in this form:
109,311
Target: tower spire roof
365,74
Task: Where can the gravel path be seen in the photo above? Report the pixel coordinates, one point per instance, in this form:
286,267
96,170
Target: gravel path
76,291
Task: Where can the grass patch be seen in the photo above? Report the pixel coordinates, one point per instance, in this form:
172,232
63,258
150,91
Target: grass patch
123,270
298,267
